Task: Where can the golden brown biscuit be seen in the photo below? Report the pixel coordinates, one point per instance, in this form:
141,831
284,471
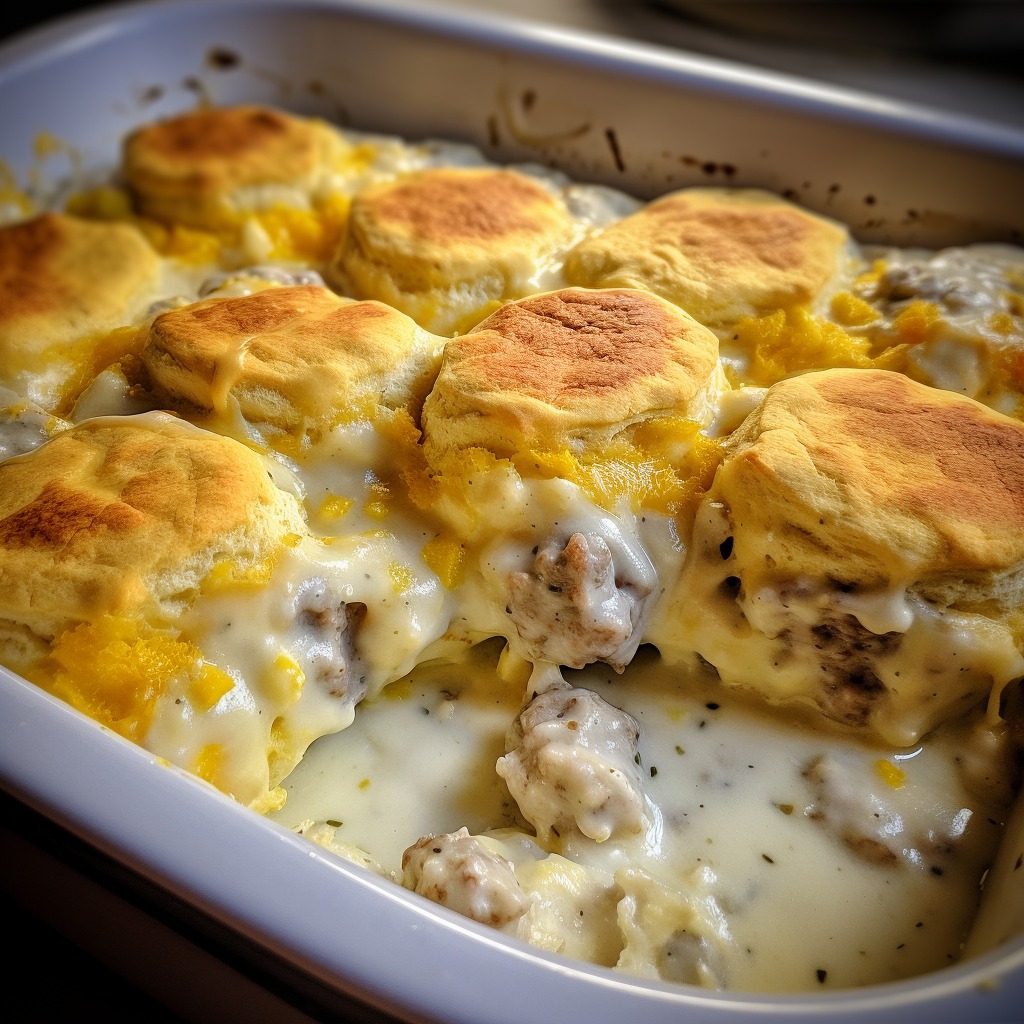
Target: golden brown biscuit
866,477
862,548
570,367
566,401
720,254
206,167
65,285
131,548
126,516
297,359
446,245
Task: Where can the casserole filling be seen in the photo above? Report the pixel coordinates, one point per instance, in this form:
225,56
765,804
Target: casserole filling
518,648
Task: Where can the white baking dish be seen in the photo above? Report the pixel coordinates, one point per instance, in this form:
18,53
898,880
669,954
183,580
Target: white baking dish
317,931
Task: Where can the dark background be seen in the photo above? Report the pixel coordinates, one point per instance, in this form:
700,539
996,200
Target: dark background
26,14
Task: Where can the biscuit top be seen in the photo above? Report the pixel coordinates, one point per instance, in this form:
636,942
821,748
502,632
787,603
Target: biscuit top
721,254
296,358
468,235
127,515
567,366
64,279
189,168
866,476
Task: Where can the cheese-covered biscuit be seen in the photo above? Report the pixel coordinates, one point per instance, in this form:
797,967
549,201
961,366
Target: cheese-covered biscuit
66,285
862,549
126,516
154,576
207,167
297,359
448,244
719,253
564,384
570,368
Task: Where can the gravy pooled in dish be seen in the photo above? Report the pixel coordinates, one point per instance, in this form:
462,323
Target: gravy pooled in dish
642,580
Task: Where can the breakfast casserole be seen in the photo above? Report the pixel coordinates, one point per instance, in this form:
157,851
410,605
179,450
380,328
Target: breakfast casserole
643,579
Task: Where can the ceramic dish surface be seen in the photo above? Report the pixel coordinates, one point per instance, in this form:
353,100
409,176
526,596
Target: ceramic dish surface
639,120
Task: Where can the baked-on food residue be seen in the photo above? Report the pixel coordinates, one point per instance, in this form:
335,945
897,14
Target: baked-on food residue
640,579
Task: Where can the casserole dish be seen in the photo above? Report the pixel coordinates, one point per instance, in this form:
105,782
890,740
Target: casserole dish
317,931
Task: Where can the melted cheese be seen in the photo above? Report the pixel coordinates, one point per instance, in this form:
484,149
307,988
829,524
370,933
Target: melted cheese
931,661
